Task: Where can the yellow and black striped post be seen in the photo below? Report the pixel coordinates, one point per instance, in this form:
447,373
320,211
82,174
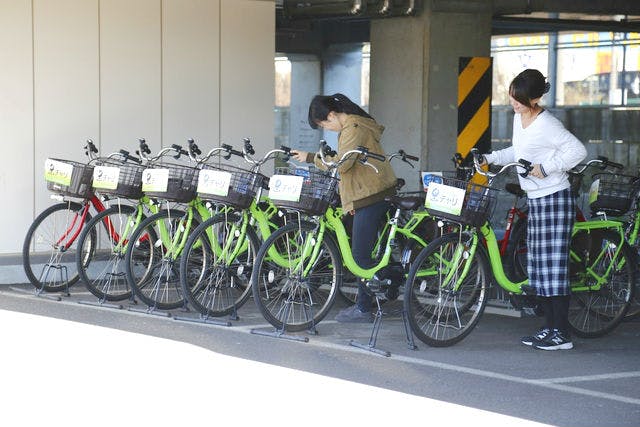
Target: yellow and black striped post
474,104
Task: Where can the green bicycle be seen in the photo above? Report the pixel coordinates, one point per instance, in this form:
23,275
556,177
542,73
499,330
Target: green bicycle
218,257
153,253
103,272
299,268
446,289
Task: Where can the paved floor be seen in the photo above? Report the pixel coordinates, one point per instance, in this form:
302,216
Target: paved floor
88,365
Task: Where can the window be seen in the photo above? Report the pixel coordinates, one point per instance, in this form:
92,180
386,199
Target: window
596,68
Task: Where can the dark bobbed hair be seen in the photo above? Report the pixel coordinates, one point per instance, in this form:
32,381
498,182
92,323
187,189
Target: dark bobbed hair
322,105
529,84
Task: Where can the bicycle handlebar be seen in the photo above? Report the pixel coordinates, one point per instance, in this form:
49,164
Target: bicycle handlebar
478,158
407,158
601,160
333,165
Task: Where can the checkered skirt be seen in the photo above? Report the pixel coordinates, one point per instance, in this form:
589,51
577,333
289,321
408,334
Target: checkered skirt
548,237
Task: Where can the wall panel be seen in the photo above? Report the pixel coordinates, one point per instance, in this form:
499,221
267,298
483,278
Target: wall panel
191,71
247,73
66,95
130,73
16,120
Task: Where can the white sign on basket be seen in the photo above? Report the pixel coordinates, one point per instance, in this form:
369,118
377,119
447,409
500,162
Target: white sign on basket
155,180
444,198
214,182
593,191
58,172
285,187
106,177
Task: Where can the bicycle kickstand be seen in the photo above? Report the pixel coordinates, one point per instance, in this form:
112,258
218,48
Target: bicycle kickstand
377,323
280,333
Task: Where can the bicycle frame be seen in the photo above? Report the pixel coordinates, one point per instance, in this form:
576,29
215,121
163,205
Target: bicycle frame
515,287
332,222
75,228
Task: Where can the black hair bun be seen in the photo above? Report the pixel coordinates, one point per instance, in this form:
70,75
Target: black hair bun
547,86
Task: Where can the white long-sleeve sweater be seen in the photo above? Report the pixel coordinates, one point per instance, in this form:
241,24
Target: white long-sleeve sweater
547,142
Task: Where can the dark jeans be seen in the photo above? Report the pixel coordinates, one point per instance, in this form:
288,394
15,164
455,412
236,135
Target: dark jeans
366,223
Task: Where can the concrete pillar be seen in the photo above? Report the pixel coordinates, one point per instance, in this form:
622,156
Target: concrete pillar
414,80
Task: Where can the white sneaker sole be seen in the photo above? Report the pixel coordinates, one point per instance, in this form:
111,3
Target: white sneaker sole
565,346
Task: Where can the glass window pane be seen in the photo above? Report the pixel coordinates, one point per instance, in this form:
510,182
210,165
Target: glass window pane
513,54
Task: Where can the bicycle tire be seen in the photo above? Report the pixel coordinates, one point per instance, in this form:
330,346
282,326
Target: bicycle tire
596,312
104,273
152,272
439,315
633,312
216,284
517,251
285,299
42,253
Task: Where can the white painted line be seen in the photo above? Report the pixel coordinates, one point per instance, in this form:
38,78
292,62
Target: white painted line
552,383
613,376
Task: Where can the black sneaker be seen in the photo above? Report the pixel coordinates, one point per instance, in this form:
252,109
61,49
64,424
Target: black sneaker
537,337
354,315
556,340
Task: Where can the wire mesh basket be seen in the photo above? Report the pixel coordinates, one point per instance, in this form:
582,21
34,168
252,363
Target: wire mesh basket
111,176
69,178
461,201
229,185
172,182
317,190
612,193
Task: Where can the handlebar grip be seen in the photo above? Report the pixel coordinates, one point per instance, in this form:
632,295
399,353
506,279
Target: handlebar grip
527,165
144,148
127,156
326,149
406,156
193,147
229,149
179,150
248,147
615,165
477,155
91,146
378,157
285,149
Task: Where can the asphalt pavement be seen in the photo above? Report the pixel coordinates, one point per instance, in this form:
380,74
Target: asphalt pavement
68,361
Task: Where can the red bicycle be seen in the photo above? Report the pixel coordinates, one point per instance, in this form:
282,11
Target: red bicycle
49,250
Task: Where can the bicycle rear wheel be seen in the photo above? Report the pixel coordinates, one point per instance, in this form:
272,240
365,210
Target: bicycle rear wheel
104,273
446,291
293,289
215,269
49,250
152,261
596,309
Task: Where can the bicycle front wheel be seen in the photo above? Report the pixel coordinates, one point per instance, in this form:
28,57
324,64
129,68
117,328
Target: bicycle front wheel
446,291
152,260
296,277
49,250
215,269
602,275
104,273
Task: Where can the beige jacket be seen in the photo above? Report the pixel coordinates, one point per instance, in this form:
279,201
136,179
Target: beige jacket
359,184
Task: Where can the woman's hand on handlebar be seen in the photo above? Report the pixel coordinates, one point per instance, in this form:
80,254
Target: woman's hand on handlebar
299,155
536,171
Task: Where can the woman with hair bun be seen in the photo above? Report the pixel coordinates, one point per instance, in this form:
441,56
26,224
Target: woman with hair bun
542,139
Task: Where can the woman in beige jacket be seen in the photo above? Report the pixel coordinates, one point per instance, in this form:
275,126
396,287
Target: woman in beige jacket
362,190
